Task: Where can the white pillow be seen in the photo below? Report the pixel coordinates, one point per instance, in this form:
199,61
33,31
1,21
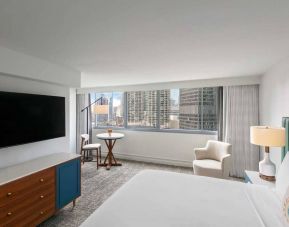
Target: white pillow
285,209
282,179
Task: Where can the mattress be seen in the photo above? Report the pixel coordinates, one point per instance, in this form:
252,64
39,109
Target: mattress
165,199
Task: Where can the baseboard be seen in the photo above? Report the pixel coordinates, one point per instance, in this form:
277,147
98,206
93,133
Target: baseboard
149,159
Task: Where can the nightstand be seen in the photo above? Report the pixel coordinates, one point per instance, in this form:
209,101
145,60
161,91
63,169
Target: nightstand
252,177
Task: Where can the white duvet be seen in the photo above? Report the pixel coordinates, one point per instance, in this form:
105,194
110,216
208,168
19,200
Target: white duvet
165,199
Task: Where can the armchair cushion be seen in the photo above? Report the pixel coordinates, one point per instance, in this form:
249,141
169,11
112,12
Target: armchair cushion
208,167
201,153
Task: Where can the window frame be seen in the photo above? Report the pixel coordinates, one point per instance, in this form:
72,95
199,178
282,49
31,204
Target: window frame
126,127
108,126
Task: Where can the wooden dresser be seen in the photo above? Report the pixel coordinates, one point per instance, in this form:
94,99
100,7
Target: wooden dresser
33,191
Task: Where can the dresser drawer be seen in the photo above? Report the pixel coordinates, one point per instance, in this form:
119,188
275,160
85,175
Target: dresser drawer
18,206
22,187
32,215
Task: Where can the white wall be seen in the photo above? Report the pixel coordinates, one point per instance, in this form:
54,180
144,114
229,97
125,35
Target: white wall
158,147
16,154
274,99
22,65
27,74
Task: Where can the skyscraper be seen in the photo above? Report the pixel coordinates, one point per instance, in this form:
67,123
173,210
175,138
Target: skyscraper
198,108
210,119
142,108
190,108
135,108
165,104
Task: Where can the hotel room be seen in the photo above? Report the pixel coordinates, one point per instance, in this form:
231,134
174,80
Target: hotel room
144,113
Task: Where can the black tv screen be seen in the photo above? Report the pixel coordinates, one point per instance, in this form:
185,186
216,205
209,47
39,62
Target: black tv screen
26,118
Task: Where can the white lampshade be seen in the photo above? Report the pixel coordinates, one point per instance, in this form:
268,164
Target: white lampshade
100,109
267,137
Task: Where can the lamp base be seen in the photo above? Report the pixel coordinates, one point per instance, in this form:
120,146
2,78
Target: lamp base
267,178
267,168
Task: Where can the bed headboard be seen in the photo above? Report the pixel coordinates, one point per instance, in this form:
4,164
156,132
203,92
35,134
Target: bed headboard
285,124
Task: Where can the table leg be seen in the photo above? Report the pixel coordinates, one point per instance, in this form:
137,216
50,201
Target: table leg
108,144
109,159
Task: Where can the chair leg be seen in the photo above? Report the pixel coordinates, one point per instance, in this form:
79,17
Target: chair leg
100,155
85,155
97,158
82,156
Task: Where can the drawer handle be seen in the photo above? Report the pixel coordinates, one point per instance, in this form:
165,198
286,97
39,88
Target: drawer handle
41,212
9,213
41,180
42,196
9,193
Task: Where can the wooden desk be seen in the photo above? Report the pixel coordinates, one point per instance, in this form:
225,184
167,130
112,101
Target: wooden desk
110,140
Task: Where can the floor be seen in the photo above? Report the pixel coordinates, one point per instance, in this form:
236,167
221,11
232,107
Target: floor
98,185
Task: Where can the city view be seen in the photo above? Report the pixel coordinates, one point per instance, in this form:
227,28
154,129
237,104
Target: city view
189,109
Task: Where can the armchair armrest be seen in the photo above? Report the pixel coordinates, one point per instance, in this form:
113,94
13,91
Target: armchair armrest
201,153
226,165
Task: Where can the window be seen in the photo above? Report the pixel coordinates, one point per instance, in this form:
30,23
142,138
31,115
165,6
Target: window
189,109
198,109
169,109
142,110
115,115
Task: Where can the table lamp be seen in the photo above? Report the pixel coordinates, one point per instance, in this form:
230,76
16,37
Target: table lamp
267,137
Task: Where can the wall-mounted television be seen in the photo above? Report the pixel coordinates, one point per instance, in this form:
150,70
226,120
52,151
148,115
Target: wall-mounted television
27,118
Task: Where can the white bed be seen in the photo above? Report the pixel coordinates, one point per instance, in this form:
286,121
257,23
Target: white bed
165,199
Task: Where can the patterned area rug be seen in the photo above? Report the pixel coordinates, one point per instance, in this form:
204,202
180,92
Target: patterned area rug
97,186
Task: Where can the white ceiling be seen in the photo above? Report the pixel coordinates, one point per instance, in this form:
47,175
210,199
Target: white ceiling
117,42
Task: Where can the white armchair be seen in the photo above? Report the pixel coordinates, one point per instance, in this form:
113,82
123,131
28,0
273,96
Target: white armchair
214,160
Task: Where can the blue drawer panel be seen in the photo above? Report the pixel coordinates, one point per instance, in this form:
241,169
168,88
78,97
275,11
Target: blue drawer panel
68,182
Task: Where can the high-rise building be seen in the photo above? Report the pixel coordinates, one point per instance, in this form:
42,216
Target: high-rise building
198,108
142,108
165,107
110,109
135,108
210,119
190,108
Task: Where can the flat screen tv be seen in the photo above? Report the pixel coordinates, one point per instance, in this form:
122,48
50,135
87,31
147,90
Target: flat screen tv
27,118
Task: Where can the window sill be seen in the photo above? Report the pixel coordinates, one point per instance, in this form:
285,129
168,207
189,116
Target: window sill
184,131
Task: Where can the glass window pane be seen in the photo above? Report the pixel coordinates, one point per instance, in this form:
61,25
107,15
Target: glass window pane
142,109
210,108
169,109
187,108
115,116
190,108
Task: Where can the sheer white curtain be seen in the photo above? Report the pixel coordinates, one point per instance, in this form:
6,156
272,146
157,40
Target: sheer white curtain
82,100
241,110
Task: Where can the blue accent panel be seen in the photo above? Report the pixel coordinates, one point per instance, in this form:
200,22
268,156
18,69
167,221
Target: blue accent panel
68,182
285,124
